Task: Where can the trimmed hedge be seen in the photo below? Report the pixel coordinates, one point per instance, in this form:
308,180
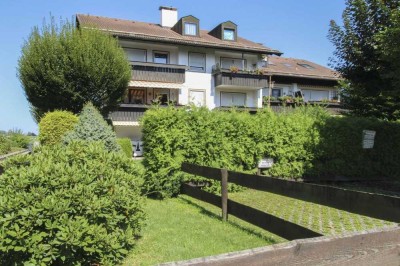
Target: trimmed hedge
69,205
340,152
126,146
304,142
54,125
233,140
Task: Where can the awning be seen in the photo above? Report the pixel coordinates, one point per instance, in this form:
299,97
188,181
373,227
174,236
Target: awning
153,84
125,123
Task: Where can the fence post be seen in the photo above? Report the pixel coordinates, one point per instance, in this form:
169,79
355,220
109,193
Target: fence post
224,193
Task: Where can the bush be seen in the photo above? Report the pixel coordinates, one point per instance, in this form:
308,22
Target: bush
54,125
69,205
233,140
126,146
5,145
18,138
92,127
340,152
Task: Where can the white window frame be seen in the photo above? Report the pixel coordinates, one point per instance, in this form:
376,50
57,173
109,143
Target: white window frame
127,49
190,24
160,52
197,68
228,92
197,90
230,30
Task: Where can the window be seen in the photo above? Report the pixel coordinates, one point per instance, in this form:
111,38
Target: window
276,92
233,99
306,66
197,62
226,63
161,57
229,34
190,29
135,55
136,96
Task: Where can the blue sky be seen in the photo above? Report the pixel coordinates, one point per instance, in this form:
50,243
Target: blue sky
298,28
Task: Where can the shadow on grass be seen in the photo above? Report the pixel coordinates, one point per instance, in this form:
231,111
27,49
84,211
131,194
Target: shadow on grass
240,227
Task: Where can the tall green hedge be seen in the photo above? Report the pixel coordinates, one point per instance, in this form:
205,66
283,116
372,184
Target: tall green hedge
305,142
233,140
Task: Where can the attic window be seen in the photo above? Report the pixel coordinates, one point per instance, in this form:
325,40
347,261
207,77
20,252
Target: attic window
306,66
229,34
190,29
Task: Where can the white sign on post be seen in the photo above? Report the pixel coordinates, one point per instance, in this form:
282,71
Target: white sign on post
266,163
368,139
137,148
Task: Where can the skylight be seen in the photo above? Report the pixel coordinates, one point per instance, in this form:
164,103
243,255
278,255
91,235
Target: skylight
287,65
306,66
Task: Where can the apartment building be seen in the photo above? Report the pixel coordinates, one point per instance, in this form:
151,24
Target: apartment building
176,62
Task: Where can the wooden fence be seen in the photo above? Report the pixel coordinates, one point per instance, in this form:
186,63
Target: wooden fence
373,205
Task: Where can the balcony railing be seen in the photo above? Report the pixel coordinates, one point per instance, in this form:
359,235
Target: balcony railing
239,78
144,71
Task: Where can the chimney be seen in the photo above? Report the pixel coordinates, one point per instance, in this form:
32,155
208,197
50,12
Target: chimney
169,16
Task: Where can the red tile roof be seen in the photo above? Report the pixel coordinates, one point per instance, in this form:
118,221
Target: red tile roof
292,67
155,32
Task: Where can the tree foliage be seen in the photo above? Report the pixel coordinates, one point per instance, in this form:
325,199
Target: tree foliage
92,127
63,67
359,59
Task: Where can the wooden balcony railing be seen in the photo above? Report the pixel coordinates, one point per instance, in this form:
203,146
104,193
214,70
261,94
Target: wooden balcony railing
225,77
144,71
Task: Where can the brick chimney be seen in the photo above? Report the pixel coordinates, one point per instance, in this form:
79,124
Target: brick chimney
169,16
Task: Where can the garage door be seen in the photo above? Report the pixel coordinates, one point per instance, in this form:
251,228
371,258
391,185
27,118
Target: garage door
233,99
314,95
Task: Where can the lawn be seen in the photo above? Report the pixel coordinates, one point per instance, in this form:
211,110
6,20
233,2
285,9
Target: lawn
184,228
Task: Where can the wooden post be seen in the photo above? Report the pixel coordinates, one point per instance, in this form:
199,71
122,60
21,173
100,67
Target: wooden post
224,194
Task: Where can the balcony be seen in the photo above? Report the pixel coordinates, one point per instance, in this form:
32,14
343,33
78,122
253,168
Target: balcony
239,78
144,71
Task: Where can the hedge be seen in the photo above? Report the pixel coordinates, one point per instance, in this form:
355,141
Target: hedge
233,140
303,142
126,146
5,144
69,205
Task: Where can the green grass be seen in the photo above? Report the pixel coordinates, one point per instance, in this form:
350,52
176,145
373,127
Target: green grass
184,228
322,219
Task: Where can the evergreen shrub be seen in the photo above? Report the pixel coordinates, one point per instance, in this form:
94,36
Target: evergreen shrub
126,146
69,205
92,127
18,138
54,125
5,145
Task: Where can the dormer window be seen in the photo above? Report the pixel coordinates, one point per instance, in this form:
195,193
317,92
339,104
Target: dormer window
229,34
190,29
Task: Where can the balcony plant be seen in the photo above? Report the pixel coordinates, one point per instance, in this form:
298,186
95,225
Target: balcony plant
234,69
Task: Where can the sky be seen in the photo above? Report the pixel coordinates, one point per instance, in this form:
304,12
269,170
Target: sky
297,28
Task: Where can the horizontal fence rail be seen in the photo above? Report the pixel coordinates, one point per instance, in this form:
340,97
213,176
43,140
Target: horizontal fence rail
373,205
256,217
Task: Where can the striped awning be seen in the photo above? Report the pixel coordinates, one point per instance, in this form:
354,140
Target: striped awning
153,84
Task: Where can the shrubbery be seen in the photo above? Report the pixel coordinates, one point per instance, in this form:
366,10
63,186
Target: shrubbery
5,144
92,127
54,125
303,142
233,140
126,146
69,205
